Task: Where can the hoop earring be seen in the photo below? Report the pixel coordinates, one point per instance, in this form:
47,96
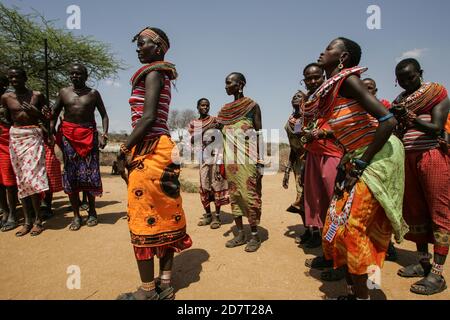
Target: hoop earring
340,66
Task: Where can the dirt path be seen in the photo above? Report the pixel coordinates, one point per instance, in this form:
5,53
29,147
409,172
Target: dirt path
36,268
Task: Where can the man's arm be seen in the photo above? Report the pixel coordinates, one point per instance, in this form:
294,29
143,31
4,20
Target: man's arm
56,111
103,139
439,116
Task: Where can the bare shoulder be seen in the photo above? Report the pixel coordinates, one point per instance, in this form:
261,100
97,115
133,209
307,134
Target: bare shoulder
8,95
64,91
94,92
154,76
38,94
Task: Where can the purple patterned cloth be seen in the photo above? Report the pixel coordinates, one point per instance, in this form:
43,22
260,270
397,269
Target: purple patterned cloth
81,174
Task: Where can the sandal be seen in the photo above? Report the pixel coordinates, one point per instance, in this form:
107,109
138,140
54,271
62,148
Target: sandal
253,245
205,220
25,229
427,287
333,275
239,240
84,206
215,224
415,270
75,225
166,294
92,221
136,296
293,209
8,226
318,263
37,229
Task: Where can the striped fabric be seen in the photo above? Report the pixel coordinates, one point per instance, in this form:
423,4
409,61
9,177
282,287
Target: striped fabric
353,127
422,103
418,140
137,108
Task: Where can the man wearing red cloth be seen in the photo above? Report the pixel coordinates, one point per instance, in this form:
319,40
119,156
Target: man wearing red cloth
8,189
78,139
26,147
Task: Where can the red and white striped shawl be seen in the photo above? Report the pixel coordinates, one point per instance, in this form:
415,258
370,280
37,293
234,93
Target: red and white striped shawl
136,101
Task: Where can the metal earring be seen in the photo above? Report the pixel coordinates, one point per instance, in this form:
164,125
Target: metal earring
340,66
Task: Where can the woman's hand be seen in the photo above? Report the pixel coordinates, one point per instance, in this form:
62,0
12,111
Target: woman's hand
217,174
285,183
122,164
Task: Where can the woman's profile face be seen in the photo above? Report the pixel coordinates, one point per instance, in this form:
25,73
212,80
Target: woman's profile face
146,49
232,84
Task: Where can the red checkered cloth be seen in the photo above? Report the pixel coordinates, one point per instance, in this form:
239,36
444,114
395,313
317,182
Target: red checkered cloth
53,167
427,195
7,176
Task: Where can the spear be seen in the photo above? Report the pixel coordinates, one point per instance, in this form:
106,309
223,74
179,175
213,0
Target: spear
46,73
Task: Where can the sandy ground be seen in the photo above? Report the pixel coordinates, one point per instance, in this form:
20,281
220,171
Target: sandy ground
37,268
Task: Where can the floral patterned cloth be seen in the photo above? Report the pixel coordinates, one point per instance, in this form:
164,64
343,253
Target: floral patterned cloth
27,153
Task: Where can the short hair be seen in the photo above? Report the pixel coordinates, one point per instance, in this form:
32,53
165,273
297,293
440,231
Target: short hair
81,66
354,51
200,100
408,62
19,69
313,64
240,76
158,31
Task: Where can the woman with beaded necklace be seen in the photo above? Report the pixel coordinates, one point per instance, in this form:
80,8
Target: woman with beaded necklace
367,205
155,213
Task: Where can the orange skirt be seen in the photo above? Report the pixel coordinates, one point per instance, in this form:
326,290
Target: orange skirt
363,241
155,213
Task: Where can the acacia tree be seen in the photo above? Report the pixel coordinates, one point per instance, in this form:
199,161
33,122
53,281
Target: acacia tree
179,121
22,44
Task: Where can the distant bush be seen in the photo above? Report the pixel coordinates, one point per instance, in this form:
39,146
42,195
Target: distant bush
189,187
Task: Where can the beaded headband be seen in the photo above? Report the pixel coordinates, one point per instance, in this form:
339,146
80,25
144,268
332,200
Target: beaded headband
155,38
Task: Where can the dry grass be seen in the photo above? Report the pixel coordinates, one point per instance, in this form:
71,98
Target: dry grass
189,187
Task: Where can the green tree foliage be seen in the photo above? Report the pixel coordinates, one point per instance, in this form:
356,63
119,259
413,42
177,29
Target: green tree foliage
22,44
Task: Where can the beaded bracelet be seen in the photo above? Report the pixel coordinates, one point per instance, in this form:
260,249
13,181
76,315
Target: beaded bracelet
124,149
361,164
386,117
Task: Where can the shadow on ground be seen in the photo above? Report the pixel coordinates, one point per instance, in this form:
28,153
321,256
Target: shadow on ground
334,289
62,220
187,267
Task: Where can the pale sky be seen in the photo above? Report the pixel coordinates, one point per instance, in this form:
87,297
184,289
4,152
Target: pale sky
268,41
